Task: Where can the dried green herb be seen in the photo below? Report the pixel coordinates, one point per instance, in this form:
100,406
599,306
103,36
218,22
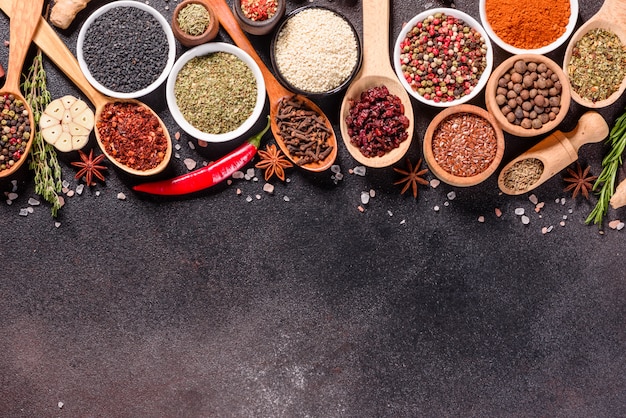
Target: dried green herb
215,93
44,160
523,174
598,65
194,19
610,166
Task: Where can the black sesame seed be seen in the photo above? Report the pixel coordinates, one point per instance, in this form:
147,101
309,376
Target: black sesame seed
125,49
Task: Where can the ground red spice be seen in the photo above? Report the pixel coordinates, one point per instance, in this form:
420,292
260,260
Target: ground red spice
132,134
259,10
465,144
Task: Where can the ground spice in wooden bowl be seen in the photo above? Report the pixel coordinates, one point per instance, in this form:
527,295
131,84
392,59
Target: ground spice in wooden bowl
463,145
530,26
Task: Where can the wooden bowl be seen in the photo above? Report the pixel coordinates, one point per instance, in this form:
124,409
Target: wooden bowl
259,27
494,109
190,40
445,175
611,17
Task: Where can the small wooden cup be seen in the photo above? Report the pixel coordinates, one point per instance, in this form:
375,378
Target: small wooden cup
444,175
259,27
492,87
189,40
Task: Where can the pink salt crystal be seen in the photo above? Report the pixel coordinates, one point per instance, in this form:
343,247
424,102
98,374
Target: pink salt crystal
177,135
498,212
614,224
203,144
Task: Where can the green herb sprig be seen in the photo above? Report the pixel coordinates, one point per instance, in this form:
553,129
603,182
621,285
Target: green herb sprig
610,166
44,160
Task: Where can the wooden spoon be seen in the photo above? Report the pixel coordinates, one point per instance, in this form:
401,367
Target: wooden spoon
611,17
20,35
275,91
376,71
50,43
559,150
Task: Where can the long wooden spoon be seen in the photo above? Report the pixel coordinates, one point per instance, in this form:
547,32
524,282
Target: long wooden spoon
275,91
20,36
376,71
610,17
50,43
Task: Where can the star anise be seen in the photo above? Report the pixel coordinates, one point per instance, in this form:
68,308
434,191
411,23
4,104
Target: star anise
273,161
89,166
412,177
580,181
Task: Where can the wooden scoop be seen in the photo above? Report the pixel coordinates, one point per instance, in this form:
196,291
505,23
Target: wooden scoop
21,34
559,150
376,71
50,43
275,90
611,17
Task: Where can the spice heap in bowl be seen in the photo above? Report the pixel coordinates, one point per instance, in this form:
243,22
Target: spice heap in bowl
126,49
463,145
595,63
194,22
215,92
315,51
259,17
528,94
529,27
443,57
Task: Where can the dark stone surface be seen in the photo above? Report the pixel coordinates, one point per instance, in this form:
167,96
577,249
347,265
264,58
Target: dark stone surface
212,306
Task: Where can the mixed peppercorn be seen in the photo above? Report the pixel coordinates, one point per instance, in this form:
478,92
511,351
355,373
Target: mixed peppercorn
442,58
15,131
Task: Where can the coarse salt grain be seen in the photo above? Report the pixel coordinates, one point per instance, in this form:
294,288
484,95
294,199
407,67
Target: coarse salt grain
238,175
519,211
434,183
451,195
533,199
481,219
498,212
525,220
365,198
121,196
268,188
359,170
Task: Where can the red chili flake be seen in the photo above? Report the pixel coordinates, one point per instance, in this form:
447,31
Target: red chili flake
258,10
132,135
376,122
464,144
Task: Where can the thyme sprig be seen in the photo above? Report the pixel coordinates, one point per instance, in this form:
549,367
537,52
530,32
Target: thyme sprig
44,160
610,166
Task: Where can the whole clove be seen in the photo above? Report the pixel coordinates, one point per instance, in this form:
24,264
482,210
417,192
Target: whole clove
303,130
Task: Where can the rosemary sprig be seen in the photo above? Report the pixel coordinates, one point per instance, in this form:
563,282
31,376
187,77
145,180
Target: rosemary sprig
610,165
44,160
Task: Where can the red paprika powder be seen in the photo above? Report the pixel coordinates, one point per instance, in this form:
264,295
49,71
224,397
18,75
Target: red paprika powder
528,24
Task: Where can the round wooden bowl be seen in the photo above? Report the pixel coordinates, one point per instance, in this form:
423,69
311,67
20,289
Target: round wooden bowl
446,176
608,18
494,109
259,27
189,40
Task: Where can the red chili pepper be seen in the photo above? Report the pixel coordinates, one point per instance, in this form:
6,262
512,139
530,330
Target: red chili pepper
210,175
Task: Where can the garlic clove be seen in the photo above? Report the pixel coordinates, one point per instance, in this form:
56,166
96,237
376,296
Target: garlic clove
64,143
68,101
78,130
47,121
85,118
79,141
77,108
55,109
52,133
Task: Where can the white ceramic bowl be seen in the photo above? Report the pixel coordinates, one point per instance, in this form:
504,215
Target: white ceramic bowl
206,49
171,53
569,29
469,21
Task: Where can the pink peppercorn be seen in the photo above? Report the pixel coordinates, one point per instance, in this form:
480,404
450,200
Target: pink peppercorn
442,58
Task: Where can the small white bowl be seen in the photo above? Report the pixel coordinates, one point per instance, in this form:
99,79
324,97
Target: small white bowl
206,49
171,53
469,21
569,29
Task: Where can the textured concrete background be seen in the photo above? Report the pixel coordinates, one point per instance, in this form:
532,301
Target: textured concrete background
210,306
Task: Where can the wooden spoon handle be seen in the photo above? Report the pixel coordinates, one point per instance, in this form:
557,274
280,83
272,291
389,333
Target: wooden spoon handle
47,39
229,23
591,128
21,32
375,36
